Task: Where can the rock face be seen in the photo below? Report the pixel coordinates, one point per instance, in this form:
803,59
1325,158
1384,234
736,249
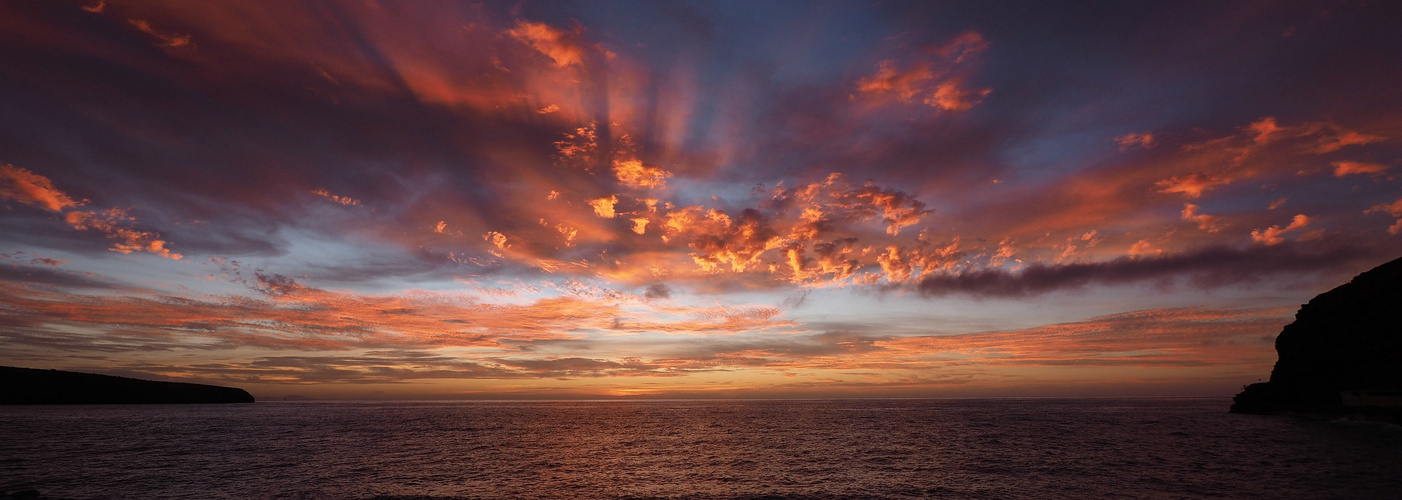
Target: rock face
1344,343
20,386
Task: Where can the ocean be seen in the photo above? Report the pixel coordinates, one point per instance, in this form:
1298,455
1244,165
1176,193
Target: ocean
704,449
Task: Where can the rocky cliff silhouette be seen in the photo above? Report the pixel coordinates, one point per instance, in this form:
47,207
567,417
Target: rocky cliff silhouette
1342,354
54,387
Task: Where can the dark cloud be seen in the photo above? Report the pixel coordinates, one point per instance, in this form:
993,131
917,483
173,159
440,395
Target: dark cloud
658,291
1207,267
48,276
278,285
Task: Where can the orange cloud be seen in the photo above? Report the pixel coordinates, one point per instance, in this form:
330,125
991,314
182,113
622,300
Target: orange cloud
286,314
934,83
1394,209
1342,168
1191,185
1264,129
720,243
569,233
1273,235
1143,247
344,200
640,225
912,265
562,47
634,174
603,207
498,241
168,40
905,84
949,97
579,149
1205,222
110,222
32,189
1342,138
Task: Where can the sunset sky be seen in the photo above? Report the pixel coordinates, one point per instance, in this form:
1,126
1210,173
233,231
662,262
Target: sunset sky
364,199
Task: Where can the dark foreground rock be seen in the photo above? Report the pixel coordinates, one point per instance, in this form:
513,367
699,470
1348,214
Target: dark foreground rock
20,386
1342,355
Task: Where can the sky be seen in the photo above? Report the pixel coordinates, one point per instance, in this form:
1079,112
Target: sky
535,199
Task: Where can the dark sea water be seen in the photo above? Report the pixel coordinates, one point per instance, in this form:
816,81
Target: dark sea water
992,448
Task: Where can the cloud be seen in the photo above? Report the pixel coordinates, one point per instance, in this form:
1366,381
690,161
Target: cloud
1135,140
658,291
1394,209
29,188
1272,235
167,39
634,174
603,207
344,200
640,225
32,189
1192,185
1205,222
288,314
722,243
569,367
1342,168
949,97
580,148
936,83
963,46
1143,247
1207,267
905,84
422,113
1342,138
497,240
563,47
1178,337
1264,130
43,272
113,222
277,285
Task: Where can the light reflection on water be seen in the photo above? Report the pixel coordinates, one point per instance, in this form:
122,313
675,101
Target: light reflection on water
994,448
